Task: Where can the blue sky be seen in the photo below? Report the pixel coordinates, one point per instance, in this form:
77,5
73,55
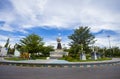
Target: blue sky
48,18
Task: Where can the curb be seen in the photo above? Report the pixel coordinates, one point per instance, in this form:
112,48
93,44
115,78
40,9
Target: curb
64,65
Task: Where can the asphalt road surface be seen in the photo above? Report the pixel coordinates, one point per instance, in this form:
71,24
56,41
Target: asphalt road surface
17,72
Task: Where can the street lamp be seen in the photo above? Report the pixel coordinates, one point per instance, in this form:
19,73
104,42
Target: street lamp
109,43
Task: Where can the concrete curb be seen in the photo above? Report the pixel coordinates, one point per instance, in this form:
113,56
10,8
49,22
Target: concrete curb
80,65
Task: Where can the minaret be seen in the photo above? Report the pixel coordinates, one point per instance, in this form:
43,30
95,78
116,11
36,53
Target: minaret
59,42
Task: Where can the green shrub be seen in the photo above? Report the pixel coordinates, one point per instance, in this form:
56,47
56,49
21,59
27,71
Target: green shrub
88,56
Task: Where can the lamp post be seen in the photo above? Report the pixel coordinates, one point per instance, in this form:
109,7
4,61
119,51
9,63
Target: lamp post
109,43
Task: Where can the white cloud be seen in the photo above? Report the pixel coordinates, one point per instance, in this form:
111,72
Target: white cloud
53,42
3,39
6,27
103,41
63,14
67,14
13,39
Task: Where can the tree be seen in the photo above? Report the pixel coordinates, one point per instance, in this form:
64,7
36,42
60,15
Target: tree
7,43
113,52
31,43
46,50
81,36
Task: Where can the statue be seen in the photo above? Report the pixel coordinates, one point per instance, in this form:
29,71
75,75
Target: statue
59,43
16,52
82,53
58,53
93,54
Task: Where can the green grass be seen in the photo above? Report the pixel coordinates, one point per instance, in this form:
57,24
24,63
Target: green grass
66,58
19,59
88,60
15,58
41,58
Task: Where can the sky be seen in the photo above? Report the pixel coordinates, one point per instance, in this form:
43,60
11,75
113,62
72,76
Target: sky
49,18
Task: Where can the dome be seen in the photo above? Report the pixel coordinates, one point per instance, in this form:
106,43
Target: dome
59,39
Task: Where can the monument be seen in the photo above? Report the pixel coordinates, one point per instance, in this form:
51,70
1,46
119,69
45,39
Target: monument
82,53
16,53
3,51
82,56
58,53
93,54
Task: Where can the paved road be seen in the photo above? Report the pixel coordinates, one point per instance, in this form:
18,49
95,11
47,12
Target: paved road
15,72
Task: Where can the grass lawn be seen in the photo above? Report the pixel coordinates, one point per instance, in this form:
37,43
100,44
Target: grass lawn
66,58
19,59
15,58
88,60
